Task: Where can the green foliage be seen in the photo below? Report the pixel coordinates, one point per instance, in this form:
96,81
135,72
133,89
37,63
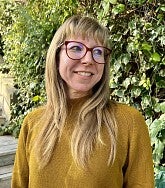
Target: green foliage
160,179
137,37
157,132
26,31
138,62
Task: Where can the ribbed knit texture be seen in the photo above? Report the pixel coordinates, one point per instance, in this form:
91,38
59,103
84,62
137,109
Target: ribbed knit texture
132,168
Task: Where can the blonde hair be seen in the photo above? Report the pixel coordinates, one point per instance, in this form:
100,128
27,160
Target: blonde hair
97,107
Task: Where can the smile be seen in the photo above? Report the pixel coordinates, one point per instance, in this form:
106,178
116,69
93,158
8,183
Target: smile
84,73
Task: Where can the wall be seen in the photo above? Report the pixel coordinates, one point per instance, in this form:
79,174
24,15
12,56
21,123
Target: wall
6,93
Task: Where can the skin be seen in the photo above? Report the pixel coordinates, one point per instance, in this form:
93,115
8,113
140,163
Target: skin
80,75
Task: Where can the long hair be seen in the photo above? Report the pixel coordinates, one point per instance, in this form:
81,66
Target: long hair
96,109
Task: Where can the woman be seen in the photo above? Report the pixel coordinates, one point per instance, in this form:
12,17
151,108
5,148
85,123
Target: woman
81,139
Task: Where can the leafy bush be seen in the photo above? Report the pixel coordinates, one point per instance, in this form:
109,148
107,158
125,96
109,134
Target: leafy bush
138,62
160,179
30,28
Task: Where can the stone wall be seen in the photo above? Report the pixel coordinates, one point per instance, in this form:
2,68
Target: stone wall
6,93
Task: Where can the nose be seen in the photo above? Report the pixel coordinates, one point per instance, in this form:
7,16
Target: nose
87,59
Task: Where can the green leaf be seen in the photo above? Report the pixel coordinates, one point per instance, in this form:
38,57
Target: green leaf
105,8
148,26
160,179
155,57
36,98
126,82
117,66
146,101
163,8
155,127
125,58
134,80
112,84
132,46
159,147
162,107
146,46
136,92
120,93
118,9
32,85
113,1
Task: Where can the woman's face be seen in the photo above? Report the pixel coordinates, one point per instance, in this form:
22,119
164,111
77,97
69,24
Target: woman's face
79,75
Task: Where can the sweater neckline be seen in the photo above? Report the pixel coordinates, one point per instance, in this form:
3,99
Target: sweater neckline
77,102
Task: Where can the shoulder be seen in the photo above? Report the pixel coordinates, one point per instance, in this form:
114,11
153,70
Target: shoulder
33,117
130,122
30,122
127,115
121,107
35,113
124,109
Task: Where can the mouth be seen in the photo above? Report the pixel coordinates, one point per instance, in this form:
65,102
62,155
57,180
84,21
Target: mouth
82,73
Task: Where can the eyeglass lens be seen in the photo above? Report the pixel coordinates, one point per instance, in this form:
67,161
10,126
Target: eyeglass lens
77,50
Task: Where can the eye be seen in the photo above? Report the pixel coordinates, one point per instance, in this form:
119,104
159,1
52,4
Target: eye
98,52
75,48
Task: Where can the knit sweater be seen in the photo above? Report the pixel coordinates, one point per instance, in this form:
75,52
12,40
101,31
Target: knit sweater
132,168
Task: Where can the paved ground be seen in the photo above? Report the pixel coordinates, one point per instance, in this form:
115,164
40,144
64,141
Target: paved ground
7,144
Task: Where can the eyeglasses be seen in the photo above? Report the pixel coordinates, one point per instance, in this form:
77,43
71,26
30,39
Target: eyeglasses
77,50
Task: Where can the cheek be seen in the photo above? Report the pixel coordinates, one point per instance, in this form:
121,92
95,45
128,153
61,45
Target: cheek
62,69
62,65
101,70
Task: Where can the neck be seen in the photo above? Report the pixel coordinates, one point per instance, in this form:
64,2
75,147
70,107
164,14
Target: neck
77,94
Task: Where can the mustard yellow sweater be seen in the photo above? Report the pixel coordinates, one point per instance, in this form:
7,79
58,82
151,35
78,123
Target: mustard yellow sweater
132,168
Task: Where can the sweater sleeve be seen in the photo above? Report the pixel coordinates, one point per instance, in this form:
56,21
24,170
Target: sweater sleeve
20,176
139,169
